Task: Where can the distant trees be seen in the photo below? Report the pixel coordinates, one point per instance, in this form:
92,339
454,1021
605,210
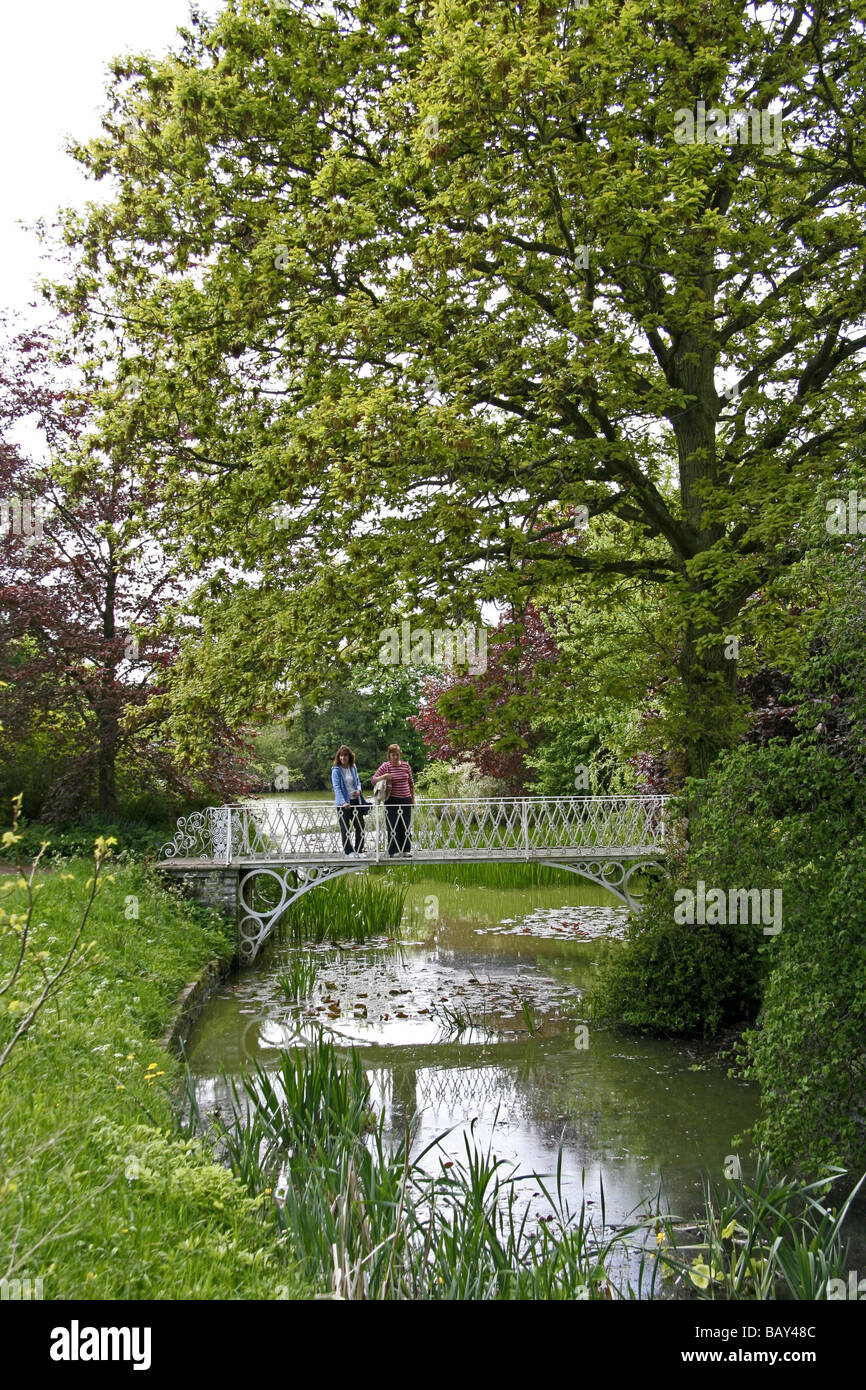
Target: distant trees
487,718
371,708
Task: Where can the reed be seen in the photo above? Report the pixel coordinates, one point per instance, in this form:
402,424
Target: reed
297,980
368,1222
765,1239
506,877
347,910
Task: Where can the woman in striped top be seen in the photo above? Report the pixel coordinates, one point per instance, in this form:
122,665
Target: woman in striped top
401,797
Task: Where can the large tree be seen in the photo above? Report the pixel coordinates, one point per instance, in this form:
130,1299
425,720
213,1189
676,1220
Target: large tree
414,281
85,592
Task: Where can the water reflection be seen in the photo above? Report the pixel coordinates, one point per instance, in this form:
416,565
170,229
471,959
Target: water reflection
471,1023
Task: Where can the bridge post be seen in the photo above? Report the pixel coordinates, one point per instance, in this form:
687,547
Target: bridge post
524,816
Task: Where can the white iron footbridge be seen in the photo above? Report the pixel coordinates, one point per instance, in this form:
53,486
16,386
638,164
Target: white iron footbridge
278,850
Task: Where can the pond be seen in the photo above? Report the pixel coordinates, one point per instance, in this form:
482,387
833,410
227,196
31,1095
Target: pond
471,1022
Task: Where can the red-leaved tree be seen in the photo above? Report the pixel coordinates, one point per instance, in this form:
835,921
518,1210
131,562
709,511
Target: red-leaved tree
487,718
85,589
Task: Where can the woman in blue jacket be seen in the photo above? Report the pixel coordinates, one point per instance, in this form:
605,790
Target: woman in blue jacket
347,797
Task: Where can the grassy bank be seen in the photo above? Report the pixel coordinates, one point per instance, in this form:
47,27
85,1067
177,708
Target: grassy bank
100,1194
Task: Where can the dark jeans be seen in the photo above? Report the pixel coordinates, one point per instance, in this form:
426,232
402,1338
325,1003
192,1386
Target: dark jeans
398,811
351,826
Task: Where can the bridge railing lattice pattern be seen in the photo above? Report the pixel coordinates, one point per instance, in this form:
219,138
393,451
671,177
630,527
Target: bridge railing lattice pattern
502,828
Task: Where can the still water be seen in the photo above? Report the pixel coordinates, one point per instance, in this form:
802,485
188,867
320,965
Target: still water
471,1022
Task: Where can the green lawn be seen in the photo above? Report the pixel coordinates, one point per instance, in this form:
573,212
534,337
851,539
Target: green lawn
101,1195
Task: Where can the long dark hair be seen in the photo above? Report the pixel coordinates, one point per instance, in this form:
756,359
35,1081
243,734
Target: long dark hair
344,748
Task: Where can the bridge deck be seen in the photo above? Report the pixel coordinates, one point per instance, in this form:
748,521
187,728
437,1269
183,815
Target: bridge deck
424,856
340,860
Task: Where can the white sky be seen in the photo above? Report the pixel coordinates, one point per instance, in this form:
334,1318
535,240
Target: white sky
53,78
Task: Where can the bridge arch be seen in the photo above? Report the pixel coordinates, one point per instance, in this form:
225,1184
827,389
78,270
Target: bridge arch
292,882
254,927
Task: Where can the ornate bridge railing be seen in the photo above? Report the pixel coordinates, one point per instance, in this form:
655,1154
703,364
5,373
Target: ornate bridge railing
500,828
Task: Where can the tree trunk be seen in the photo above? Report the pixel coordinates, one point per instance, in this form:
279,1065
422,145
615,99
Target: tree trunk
709,676
108,722
106,785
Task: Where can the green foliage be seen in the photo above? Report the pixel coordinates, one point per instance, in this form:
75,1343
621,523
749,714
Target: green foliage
273,749
765,1239
611,653
439,781
797,814
787,817
669,978
831,683
100,1194
136,836
342,273
763,818
367,714
349,909
807,1052
580,756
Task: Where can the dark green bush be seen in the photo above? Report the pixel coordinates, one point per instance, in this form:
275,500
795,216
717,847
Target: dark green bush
767,818
809,1052
672,978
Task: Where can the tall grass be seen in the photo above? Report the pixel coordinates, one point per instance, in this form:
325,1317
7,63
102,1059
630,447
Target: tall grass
99,1193
763,1239
346,910
297,980
369,1222
502,876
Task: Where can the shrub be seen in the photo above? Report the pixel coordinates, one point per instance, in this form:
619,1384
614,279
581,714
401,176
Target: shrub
809,1053
672,978
788,816
765,817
